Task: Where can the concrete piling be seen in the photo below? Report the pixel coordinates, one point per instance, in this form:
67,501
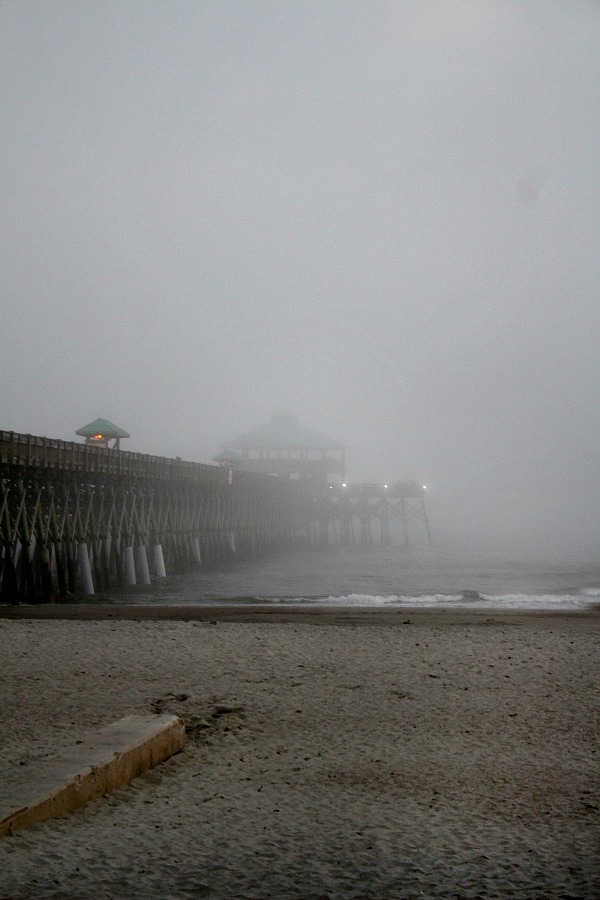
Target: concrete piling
85,571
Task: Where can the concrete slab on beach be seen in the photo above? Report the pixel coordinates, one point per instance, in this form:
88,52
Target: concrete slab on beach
94,766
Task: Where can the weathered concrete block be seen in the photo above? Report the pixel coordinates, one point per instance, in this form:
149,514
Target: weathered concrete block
102,762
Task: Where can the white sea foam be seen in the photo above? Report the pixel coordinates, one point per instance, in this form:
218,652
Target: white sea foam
468,600
534,601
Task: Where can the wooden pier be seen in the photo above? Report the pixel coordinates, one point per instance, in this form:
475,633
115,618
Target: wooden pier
371,513
76,518
80,519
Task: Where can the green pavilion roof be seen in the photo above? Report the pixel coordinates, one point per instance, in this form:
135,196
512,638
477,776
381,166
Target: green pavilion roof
284,432
227,455
104,427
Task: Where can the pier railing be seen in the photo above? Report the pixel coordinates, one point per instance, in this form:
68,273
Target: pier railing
32,452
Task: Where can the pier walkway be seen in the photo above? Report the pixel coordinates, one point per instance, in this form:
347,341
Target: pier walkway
77,518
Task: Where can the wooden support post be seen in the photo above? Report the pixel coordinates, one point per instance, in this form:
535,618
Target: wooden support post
71,566
27,579
141,565
104,561
404,522
98,575
384,524
61,574
128,565
159,563
45,573
85,571
426,520
195,550
10,588
116,559
231,542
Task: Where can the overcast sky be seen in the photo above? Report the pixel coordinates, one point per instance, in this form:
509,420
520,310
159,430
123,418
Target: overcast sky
383,216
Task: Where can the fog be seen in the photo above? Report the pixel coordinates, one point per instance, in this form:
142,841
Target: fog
383,216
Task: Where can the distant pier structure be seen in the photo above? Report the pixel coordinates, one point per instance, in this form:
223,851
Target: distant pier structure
286,448
77,518
371,513
343,513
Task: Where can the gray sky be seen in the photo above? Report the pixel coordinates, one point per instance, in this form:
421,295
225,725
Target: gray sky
383,216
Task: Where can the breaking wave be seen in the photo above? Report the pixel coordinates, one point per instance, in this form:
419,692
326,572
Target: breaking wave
467,599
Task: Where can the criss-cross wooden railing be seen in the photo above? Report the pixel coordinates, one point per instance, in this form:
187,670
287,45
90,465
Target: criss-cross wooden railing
77,518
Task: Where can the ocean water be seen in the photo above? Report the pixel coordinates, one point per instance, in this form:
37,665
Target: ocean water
387,577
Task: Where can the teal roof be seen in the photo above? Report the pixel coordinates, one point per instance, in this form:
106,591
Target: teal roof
103,427
227,455
284,432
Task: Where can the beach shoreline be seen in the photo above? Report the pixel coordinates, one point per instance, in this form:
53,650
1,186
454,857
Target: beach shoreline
289,614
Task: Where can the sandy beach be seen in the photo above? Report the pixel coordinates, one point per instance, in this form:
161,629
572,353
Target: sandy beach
341,754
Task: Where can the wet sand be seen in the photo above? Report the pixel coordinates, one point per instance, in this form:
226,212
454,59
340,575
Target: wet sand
443,753
299,615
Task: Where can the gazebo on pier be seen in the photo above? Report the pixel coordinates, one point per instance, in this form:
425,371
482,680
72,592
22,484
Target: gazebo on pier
100,432
286,448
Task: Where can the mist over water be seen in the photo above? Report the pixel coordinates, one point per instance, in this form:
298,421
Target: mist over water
382,577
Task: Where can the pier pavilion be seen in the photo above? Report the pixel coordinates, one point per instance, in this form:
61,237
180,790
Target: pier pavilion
285,447
101,432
